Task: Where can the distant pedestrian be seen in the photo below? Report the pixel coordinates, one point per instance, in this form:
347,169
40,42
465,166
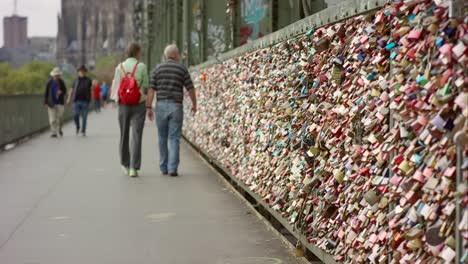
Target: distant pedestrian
128,90
104,93
54,95
168,80
81,96
97,96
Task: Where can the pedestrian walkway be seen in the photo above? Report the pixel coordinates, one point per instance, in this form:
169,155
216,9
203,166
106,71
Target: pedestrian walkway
67,201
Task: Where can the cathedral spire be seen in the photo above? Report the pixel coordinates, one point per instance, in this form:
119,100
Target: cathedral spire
15,7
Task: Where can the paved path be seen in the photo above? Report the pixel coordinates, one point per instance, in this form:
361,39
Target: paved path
66,201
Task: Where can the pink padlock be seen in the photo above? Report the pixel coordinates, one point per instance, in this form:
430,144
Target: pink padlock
373,238
446,49
414,34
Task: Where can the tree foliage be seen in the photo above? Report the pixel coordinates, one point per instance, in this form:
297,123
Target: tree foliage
105,66
29,79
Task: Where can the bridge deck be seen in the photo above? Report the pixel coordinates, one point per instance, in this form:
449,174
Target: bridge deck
67,201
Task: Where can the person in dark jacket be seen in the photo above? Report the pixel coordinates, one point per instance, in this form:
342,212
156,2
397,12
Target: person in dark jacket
54,95
81,96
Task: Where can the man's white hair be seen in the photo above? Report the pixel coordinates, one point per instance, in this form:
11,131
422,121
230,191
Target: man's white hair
171,50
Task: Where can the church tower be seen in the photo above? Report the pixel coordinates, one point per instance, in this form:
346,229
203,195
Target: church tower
89,29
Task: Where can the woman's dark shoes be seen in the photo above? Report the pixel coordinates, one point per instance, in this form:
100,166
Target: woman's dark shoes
174,174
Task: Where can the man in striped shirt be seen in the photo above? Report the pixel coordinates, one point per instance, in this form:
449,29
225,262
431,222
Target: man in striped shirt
168,81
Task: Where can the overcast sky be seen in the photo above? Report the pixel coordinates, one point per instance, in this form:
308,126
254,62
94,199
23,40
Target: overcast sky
42,16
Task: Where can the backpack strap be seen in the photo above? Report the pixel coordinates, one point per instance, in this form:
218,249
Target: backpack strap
134,69
121,67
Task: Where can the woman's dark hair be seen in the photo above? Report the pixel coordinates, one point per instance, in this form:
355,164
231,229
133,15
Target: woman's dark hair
133,50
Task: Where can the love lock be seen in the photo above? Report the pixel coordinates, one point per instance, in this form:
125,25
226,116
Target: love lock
299,250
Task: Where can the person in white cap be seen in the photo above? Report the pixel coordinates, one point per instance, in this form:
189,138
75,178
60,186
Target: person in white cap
54,99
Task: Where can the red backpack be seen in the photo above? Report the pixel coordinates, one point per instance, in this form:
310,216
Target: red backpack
129,92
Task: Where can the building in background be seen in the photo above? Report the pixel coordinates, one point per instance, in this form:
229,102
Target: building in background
89,29
37,48
16,57
15,50
18,49
15,32
43,48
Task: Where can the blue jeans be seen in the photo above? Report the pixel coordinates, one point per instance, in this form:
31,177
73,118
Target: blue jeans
169,120
80,108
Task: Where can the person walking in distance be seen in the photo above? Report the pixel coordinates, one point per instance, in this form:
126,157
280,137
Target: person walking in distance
97,96
81,96
54,95
104,93
168,80
128,90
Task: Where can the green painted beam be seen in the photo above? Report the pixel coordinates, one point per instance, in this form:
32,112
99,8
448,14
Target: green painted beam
344,10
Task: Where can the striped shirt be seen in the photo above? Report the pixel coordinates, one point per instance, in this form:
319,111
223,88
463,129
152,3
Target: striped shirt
169,79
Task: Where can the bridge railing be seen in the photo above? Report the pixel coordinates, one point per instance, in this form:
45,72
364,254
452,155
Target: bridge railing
243,126
22,116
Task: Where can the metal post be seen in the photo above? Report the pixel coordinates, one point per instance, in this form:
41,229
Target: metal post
460,250
236,24
180,25
161,27
457,11
174,19
176,29
149,31
273,14
228,27
168,22
156,30
391,124
187,47
203,31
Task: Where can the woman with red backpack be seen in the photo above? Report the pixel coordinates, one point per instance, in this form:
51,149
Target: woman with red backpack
129,89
